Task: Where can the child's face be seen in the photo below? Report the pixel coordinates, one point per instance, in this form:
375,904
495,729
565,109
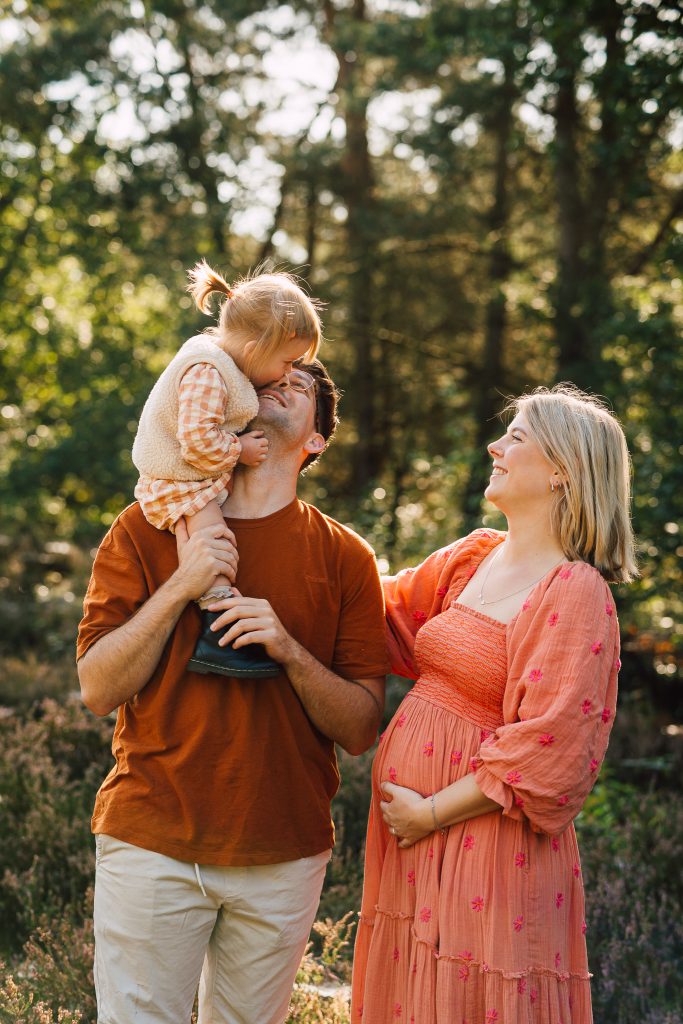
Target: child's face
281,363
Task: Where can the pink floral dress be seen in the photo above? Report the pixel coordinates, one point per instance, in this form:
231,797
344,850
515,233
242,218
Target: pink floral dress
486,923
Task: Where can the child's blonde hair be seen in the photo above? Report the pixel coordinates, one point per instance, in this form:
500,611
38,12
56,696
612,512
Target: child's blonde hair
587,447
269,309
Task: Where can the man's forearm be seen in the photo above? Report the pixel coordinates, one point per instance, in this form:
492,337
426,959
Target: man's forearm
122,662
347,711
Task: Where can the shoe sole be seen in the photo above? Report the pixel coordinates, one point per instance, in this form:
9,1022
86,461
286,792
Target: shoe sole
207,668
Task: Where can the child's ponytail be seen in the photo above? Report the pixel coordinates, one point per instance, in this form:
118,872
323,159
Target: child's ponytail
204,281
264,312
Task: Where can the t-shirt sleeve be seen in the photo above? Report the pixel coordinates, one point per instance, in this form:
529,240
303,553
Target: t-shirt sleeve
360,650
559,703
116,590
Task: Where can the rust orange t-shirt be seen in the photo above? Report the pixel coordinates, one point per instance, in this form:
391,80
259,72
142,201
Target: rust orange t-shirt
231,771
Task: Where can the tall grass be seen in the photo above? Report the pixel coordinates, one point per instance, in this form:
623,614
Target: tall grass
54,755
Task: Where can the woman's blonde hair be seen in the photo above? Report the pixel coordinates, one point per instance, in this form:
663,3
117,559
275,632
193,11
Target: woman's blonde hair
269,309
587,447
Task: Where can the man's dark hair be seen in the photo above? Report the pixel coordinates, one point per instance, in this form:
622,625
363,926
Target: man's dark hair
326,398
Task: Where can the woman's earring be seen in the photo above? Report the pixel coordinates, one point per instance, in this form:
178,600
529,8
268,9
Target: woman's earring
552,486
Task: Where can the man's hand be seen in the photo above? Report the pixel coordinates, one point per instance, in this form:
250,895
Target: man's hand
253,621
254,448
407,815
208,553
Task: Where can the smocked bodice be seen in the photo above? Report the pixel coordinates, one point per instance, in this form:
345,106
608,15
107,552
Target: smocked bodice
462,658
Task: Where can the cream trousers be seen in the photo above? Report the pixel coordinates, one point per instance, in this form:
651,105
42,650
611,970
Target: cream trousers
161,923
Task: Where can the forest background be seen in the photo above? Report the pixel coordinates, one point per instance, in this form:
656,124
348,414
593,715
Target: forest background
486,195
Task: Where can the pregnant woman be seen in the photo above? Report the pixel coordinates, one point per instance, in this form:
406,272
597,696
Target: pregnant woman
473,904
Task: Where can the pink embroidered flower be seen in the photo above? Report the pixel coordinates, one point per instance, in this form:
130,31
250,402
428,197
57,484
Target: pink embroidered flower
555,844
577,870
520,860
411,877
606,715
552,619
609,609
586,706
419,617
393,775
465,954
518,923
477,903
617,664
484,734
464,973
360,1011
513,777
558,959
584,928
430,853
535,675
428,749
491,1016
425,915
565,574
564,799
442,591
456,757
474,763
396,955
468,842
596,647
521,986
546,739
519,801
527,605
533,995
398,1011
401,721
559,899
594,765
382,735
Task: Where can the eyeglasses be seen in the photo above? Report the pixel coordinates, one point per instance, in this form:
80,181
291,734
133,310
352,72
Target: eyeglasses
300,380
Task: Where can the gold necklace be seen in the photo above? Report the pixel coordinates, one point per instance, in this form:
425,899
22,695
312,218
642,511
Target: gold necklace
514,592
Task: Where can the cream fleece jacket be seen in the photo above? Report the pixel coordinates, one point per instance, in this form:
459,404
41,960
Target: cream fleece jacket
156,451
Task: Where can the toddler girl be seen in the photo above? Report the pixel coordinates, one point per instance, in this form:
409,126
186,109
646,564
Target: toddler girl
187,443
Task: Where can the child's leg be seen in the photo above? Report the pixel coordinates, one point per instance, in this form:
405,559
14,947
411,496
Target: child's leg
210,515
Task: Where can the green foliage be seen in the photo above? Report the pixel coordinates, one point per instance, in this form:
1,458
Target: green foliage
473,278
631,843
51,765
53,980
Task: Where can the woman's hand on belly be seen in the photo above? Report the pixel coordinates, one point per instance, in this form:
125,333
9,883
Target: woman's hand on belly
407,815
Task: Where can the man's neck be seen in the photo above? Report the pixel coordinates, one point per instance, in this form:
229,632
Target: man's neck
259,491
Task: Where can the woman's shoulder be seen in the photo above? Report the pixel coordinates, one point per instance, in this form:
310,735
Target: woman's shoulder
574,590
473,547
579,577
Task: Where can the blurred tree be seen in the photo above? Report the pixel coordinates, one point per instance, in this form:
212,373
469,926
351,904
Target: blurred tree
485,193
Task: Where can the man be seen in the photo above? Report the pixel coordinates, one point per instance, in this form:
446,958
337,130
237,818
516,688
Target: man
213,829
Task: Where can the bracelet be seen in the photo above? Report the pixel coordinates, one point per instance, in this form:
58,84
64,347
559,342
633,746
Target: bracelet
437,827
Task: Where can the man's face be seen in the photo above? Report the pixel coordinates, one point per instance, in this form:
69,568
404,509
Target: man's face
286,412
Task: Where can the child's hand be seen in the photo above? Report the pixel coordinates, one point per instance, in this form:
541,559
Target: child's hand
254,448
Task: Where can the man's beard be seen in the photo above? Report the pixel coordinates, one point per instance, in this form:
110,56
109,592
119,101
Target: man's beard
276,423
